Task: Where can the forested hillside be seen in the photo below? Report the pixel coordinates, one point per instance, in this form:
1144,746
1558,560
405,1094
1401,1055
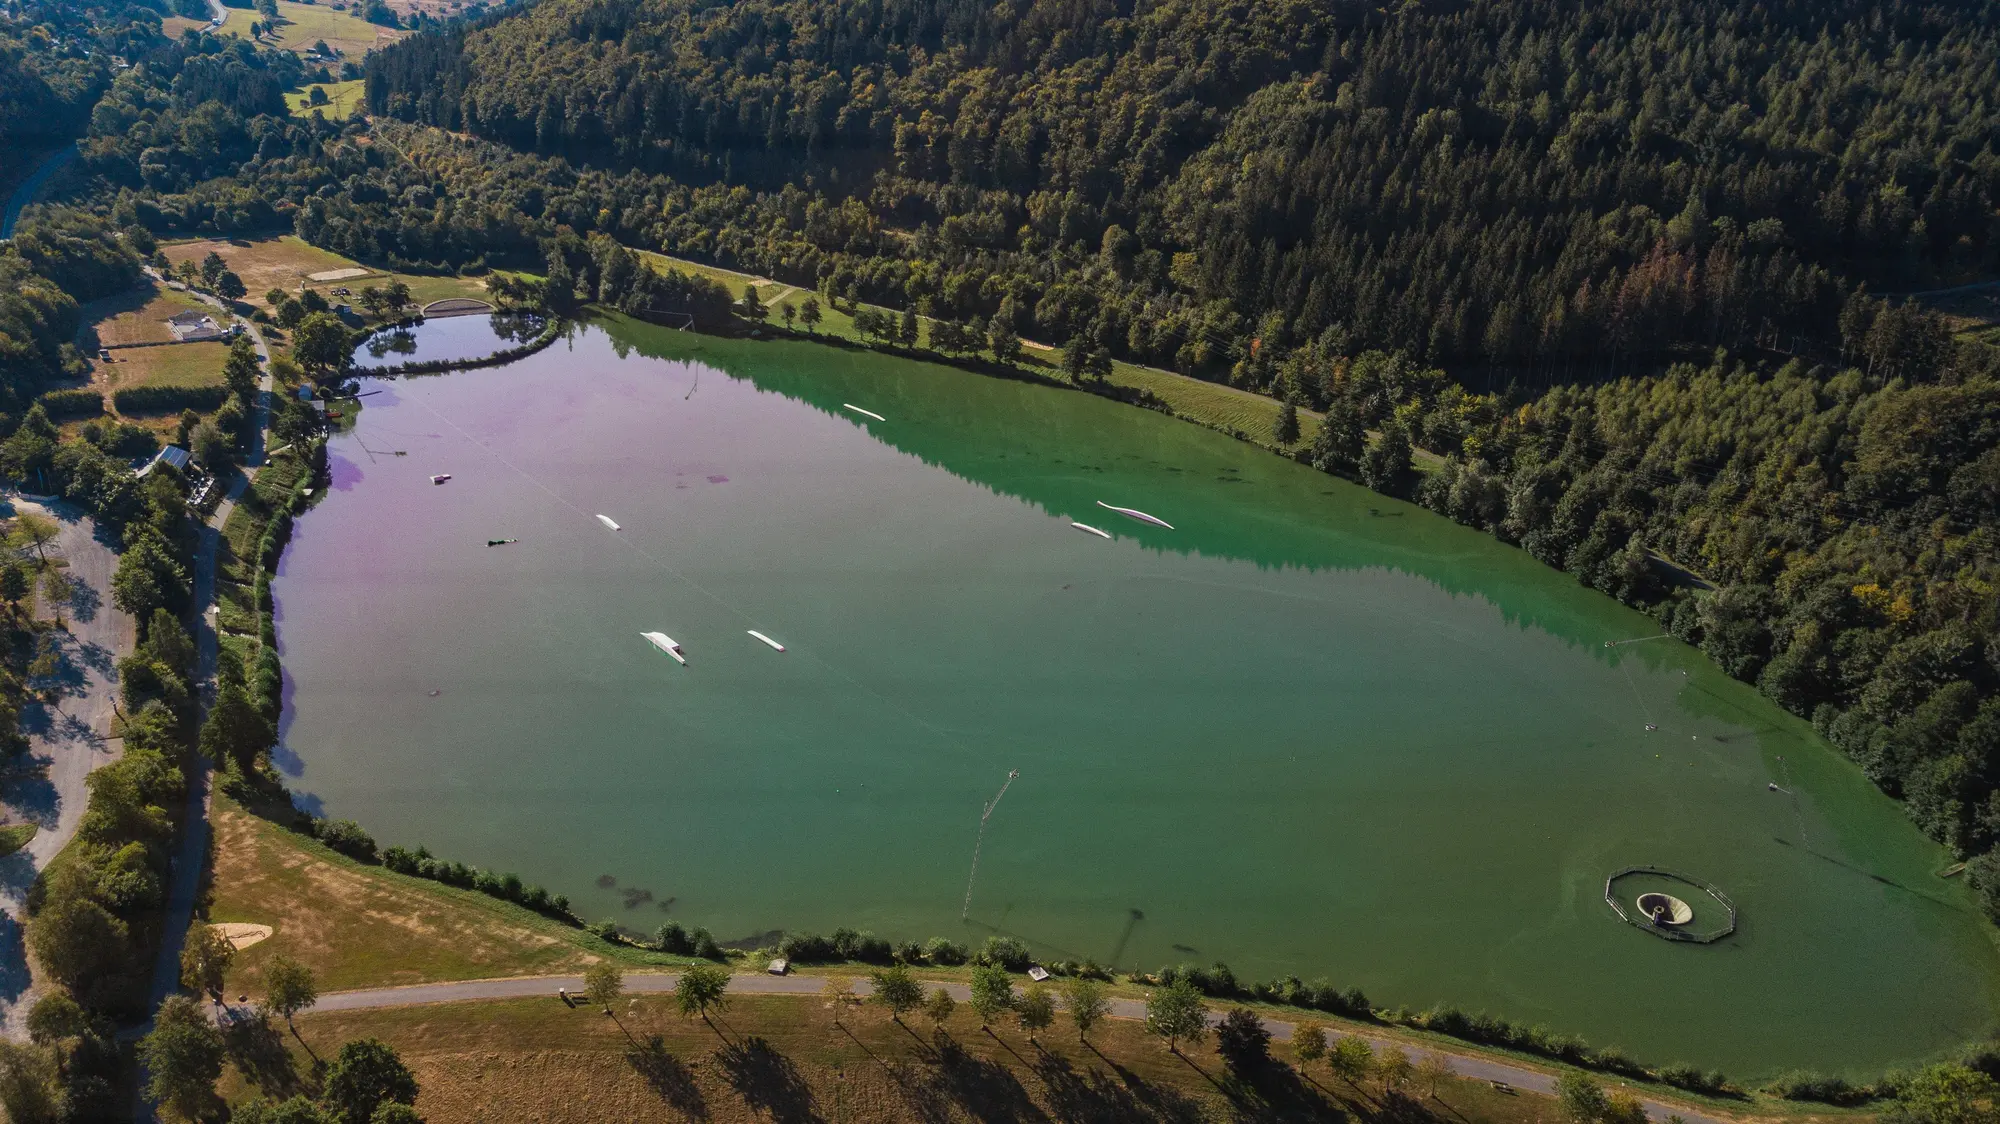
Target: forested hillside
1538,182
1664,214
1670,214
57,57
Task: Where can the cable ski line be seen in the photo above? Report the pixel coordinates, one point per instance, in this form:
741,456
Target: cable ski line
980,841
749,621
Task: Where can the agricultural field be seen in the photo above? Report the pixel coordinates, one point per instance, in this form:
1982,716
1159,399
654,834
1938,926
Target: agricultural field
302,26
271,263
343,98
289,263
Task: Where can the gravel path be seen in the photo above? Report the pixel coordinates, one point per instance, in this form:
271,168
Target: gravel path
68,738
654,983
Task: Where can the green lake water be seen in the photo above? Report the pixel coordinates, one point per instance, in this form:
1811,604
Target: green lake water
1308,731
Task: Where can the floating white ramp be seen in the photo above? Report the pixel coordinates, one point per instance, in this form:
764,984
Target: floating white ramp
1131,513
1091,529
664,642
864,413
608,521
773,643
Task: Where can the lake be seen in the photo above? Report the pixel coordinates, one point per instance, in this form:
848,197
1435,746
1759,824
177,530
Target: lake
1309,730
454,338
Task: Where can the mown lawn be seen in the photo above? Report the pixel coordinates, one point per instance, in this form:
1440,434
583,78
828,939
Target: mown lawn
180,364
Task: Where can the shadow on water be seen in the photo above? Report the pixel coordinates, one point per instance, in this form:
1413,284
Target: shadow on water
1344,528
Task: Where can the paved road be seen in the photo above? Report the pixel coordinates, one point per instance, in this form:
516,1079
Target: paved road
653,983
191,854
32,186
69,738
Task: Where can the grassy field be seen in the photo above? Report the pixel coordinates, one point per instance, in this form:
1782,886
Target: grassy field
358,926
15,836
173,27
181,364
363,926
439,8
139,315
784,1059
342,100
300,26
288,263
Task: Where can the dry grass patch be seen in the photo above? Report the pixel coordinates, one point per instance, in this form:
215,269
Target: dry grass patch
173,27
782,1058
361,926
267,263
288,263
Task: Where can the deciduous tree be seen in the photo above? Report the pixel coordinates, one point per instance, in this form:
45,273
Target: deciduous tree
1176,1013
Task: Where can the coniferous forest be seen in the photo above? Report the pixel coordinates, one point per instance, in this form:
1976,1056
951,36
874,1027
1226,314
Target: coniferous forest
1628,281
1631,270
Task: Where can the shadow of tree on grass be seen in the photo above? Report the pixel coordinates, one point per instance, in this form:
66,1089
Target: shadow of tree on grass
768,1081
669,1077
258,1050
985,1089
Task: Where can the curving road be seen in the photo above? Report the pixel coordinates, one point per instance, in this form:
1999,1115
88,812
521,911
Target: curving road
32,186
69,737
654,983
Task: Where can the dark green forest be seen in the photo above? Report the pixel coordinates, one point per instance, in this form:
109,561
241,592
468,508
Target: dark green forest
57,57
1532,183
1669,218
1630,273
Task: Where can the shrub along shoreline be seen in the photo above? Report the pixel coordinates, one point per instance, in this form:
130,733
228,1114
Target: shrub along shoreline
259,789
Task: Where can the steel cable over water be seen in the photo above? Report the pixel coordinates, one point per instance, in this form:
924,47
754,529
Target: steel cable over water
750,621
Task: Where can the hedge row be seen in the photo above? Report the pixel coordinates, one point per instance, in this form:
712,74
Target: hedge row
1221,983
61,405
165,399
